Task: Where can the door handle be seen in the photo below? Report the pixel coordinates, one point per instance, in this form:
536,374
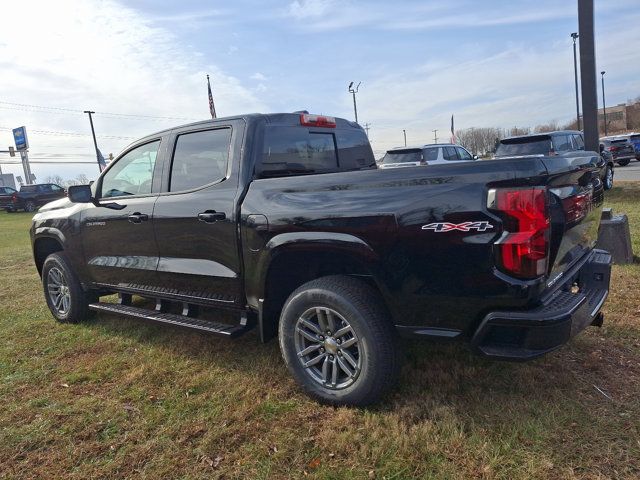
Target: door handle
138,217
211,216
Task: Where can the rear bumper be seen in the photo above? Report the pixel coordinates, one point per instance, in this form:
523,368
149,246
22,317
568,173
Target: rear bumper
524,335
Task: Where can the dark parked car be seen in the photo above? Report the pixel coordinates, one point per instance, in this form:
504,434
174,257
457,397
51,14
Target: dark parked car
566,143
620,148
6,197
283,221
432,154
30,197
634,138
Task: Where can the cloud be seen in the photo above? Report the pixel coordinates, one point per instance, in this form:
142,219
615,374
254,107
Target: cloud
258,76
103,56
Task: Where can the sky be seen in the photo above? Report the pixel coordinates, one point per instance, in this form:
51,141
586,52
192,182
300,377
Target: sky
141,65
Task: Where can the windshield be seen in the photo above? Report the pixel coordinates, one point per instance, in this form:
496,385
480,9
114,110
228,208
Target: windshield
402,156
524,146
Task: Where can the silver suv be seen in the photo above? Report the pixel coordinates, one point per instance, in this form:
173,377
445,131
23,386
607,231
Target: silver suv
432,154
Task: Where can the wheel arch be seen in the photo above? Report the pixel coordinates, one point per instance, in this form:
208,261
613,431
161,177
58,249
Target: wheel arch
45,245
312,255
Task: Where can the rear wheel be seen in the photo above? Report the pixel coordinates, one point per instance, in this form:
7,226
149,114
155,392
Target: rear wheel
608,178
624,163
66,298
29,206
338,342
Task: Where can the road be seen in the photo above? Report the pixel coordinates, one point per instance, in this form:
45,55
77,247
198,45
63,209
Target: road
629,173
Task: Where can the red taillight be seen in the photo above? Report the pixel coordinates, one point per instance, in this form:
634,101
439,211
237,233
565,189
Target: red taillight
614,149
14,198
577,207
523,250
309,120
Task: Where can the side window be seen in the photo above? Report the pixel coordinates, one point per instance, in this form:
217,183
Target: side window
579,141
200,158
56,188
464,155
44,188
296,150
562,143
131,174
450,153
354,150
430,154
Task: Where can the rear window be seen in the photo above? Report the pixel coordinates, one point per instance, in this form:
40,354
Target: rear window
295,150
524,146
402,156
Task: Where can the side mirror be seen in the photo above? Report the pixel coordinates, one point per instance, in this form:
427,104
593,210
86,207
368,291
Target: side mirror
79,193
475,157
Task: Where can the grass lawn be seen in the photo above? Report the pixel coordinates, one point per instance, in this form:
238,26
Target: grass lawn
116,398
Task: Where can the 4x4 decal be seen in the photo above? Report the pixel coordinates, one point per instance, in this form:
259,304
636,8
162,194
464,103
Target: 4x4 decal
441,227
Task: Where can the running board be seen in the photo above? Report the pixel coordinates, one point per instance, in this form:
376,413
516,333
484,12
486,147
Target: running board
215,328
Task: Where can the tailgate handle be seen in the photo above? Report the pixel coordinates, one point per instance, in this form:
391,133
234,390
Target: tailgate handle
211,216
138,217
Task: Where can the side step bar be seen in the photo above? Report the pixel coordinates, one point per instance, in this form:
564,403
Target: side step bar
215,328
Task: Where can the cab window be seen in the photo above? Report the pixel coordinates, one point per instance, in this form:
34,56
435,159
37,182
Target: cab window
132,174
200,158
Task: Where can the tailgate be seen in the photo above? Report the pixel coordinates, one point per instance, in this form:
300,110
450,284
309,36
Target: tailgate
576,196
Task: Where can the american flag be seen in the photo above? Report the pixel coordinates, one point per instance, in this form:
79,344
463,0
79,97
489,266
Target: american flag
453,133
212,107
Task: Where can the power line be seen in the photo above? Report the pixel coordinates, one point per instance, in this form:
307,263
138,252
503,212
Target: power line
58,133
45,109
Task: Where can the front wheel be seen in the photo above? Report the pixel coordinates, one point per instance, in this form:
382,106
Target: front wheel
29,207
608,178
624,163
338,342
66,298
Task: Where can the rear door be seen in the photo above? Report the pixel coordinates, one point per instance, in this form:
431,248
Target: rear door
195,217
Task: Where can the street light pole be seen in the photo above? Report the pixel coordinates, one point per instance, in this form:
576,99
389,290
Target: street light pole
95,143
604,104
353,91
404,132
435,135
575,36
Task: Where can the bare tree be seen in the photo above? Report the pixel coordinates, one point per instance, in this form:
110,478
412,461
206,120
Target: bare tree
547,127
57,179
479,141
82,179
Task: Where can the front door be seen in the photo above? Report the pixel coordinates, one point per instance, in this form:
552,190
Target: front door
195,219
118,238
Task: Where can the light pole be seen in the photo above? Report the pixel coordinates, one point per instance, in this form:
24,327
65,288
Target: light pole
95,143
404,132
575,36
604,104
353,91
435,135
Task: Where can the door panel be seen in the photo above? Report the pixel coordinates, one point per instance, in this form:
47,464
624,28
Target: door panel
195,223
118,242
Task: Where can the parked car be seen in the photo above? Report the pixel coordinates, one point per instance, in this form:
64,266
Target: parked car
281,221
431,154
566,143
6,197
620,148
634,138
30,197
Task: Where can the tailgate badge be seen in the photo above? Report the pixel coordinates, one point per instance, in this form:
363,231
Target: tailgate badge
441,227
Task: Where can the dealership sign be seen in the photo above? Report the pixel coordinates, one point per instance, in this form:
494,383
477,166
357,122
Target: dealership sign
20,137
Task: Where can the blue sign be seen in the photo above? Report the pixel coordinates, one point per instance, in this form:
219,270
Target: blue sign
20,137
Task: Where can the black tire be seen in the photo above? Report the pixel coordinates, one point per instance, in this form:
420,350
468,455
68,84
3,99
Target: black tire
29,207
77,305
10,210
353,304
624,163
608,178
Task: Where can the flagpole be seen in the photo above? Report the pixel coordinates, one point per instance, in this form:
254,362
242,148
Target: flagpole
212,107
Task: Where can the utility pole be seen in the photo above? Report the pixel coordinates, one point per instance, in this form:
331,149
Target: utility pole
95,143
366,128
604,104
404,132
575,36
588,75
353,91
435,135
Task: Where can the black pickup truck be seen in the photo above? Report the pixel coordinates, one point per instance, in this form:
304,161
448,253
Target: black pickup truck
30,197
284,221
